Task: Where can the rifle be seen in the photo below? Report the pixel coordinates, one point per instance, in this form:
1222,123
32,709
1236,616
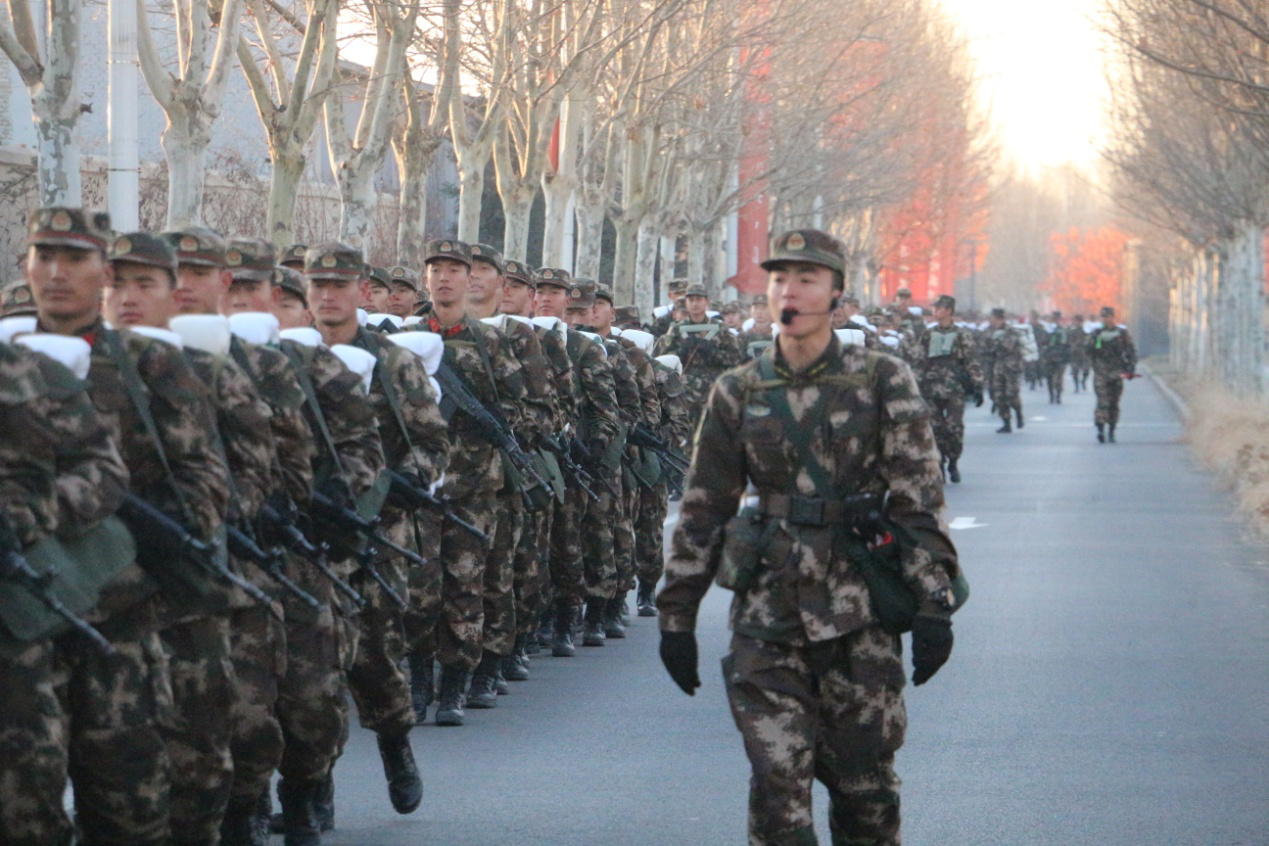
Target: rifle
641,435
591,464
14,566
148,521
417,497
294,540
366,559
243,546
350,520
571,468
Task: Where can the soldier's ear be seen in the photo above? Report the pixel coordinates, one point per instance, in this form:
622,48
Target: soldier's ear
833,305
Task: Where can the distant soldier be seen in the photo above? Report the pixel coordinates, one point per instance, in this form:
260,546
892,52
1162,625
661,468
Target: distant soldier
1003,354
1055,354
405,291
704,346
663,316
948,373
1081,364
1114,358
760,334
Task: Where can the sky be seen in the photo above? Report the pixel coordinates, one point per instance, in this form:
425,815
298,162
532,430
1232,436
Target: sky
1040,72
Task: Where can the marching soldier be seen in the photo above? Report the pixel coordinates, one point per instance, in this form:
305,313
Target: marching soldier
1003,354
663,316
948,373
1055,354
1114,358
1081,364
704,346
837,441
403,299
760,335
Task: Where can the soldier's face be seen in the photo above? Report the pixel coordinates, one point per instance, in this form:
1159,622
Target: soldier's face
377,296
67,282
199,288
601,316
401,302
732,319
806,289
291,312
335,301
517,298
696,308
550,301
248,295
447,279
761,318
943,314
484,284
996,322
140,295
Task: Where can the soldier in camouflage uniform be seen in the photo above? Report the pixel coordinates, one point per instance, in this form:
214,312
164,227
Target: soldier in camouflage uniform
1081,364
1114,358
113,738
1003,356
415,446
815,683
948,373
761,334
596,426
676,428
59,471
405,291
704,357
1055,354
663,317
478,355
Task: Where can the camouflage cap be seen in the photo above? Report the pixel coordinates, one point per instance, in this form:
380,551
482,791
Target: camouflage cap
581,294
553,276
16,299
198,245
903,292
334,260
292,281
603,291
488,254
807,245
696,291
379,276
293,256
627,315
520,272
447,248
62,226
250,259
732,307
676,286
997,312
759,300
946,301
1107,311
401,275
144,248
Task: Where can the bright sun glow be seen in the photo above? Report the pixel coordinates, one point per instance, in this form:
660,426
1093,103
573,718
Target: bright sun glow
1041,74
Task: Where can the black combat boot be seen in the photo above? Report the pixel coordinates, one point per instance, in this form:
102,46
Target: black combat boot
261,819
1101,433
405,787
1110,433
449,712
623,608
593,622
422,685
545,635
1005,429
237,826
515,667
953,472
647,601
562,638
613,626
299,823
324,803
1019,413
484,691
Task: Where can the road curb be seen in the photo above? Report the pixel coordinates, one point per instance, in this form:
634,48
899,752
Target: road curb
1181,407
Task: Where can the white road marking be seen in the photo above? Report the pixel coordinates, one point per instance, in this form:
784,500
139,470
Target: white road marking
960,523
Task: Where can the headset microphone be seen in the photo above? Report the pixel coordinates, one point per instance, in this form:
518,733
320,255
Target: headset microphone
787,314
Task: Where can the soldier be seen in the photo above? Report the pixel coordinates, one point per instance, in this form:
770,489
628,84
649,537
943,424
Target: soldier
596,425
1054,356
760,334
290,302
478,356
1114,359
663,316
293,257
405,291
1081,364
1003,354
416,449
704,346
377,291
829,435
158,413
948,373
731,317
59,473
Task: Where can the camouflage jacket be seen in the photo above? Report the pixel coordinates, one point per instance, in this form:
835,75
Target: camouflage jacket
1055,347
949,366
625,382
564,387
1003,352
278,385
539,409
863,420
597,421
414,435
645,376
745,340
702,359
1112,351
676,420
59,469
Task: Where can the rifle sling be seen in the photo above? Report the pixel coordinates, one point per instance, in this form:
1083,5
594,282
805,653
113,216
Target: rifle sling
310,397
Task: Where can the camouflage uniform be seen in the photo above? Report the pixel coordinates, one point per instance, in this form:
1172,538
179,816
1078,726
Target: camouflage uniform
1003,354
1054,356
948,372
675,427
1113,354
58,470
752,342
703,359
1081,364
639,496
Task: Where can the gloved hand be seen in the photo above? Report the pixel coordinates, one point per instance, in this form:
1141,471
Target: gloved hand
978,399
337,490
678,654
931,642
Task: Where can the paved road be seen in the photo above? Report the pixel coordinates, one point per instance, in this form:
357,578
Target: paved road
1110,683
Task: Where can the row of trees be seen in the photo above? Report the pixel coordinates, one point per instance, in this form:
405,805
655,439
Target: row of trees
1191,162
633,114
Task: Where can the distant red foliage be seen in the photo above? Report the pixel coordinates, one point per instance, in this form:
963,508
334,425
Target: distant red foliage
1086,270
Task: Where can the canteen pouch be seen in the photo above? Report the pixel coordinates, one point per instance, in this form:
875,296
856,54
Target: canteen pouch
894,602
745,538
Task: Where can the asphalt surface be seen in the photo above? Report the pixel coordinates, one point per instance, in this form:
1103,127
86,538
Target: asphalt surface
1110,683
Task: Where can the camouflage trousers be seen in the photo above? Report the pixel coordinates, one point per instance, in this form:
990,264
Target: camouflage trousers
1109,387
568,581
599,524
33,748
831,711
312,703
425,585
1055,376
531,569
199,733
258,641
458,638
118,762
499,632
1006,393
623,533
376,678
947,415
650,534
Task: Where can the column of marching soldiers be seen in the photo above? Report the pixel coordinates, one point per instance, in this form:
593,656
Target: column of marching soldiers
240,488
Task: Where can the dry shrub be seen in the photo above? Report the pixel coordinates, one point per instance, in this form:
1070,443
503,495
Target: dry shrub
1231,435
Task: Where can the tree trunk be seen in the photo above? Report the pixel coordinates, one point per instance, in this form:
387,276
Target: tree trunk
623,268
412,207
556,193
186,176
471,187
55,109
517,205
284,188
357,205
1240,308
695,256
590,234
711,241
645,265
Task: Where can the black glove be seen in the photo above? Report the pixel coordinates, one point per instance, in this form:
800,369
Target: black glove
931,642
978,399
678,654
337,491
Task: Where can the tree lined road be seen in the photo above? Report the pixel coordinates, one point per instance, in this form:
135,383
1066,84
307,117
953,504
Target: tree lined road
1109,683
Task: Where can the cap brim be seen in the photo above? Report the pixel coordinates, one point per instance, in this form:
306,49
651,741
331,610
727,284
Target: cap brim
45,239
144,261
199,261
458,259
253,275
